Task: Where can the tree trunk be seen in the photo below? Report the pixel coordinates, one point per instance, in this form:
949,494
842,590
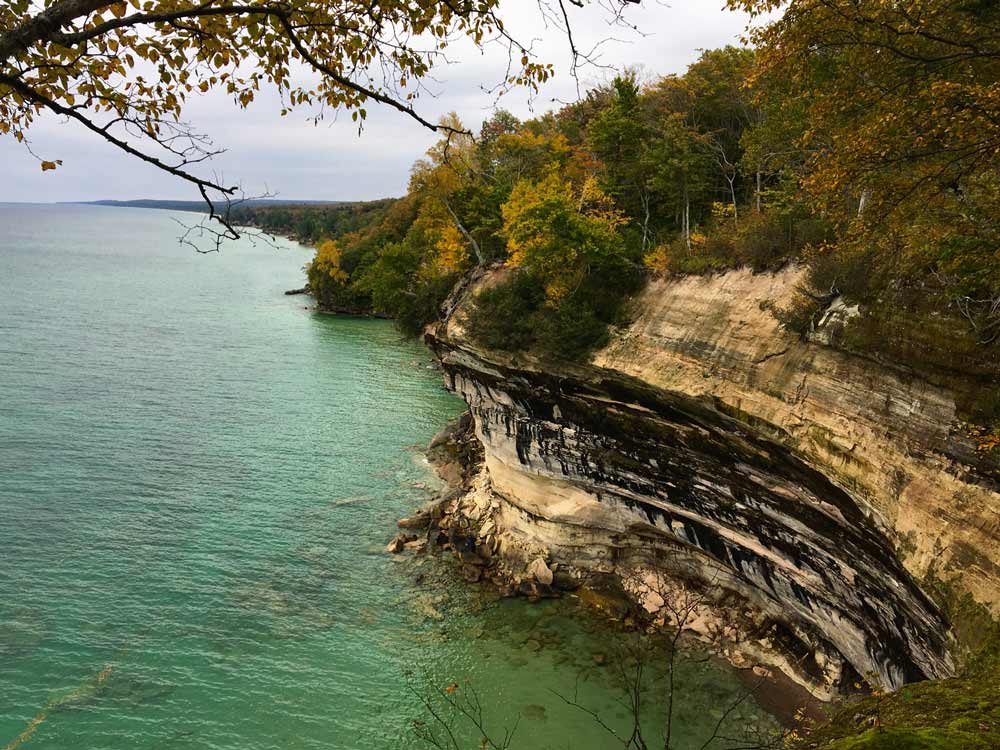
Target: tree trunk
645,221
732,192
465,233
687,217
866,196
45,25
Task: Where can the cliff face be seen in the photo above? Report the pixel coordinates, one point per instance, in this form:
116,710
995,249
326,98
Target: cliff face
889,438
802,489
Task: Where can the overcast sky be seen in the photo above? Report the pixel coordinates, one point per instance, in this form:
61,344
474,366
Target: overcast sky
296,159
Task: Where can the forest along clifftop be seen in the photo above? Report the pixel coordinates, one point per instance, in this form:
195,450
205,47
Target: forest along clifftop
807,492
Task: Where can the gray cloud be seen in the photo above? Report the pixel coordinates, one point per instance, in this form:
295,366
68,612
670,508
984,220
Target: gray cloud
297,159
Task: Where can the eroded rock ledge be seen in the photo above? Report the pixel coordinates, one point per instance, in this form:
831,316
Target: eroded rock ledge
681,451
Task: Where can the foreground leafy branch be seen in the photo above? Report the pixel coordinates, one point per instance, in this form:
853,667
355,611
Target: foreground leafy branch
125,70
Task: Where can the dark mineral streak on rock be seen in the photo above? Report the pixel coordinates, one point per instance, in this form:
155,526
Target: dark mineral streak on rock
686,471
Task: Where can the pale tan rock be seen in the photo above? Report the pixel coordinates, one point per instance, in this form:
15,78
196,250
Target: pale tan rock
886,437
540,571
395,546
416,545
652,602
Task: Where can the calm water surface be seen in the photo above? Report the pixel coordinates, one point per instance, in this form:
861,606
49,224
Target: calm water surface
197,479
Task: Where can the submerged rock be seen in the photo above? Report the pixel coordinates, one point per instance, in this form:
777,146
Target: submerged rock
400,542
534,712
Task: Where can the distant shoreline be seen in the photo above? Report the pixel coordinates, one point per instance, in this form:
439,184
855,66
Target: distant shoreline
199,206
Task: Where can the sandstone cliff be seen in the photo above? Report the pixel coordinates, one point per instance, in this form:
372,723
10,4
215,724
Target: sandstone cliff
804,490
890,438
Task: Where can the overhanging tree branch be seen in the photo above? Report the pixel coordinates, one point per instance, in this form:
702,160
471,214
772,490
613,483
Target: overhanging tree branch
177,171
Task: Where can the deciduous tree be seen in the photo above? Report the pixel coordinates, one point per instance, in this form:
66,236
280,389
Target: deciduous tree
561,234
901,103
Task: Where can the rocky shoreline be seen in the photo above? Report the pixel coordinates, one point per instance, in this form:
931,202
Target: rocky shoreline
461,521
324,310
465,523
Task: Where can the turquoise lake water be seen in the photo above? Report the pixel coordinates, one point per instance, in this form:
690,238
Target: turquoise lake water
197,480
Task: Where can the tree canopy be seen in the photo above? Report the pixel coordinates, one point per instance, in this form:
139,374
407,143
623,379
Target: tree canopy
571,203
890,117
